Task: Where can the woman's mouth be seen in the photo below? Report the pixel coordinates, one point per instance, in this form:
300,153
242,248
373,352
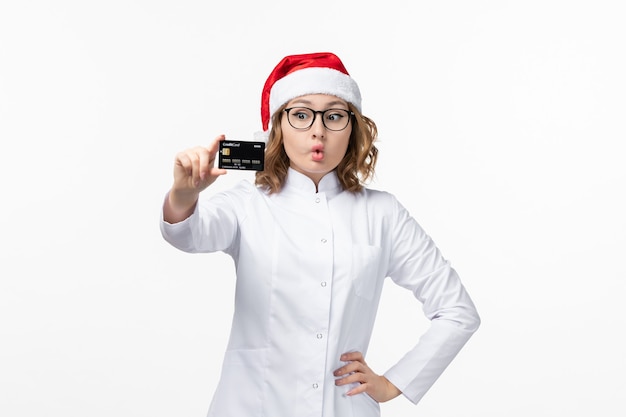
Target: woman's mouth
317,153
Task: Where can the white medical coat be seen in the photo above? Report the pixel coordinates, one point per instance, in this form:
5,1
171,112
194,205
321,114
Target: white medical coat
310,269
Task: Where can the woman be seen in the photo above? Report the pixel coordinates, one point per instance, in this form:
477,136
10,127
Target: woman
312,247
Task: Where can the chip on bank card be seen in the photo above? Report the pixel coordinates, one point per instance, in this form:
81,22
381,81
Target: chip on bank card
238,154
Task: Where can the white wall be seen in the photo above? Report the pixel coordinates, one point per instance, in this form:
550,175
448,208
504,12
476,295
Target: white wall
501,129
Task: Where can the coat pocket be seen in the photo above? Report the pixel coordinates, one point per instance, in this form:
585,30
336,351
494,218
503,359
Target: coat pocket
364,406
364,271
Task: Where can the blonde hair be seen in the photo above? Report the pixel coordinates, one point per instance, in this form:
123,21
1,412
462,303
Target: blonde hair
353,171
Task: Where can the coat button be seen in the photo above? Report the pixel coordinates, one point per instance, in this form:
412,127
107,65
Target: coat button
319,335
324,241
323,283
317,200
315,385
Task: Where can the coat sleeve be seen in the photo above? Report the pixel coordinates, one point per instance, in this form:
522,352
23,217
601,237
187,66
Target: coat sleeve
213,226
417,264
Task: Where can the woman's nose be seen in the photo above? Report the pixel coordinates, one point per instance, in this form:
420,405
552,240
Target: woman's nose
317,128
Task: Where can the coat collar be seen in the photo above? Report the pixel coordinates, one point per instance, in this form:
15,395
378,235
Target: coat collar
299,183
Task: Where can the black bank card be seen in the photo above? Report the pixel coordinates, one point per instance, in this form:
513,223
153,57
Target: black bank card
238,154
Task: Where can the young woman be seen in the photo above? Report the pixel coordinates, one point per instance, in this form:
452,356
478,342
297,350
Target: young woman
312,246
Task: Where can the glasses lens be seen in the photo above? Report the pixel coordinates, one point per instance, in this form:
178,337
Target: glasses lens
336,119
301,117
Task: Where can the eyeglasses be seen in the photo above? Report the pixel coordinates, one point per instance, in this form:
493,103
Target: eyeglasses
333,119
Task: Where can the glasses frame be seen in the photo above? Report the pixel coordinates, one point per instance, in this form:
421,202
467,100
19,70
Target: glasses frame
315,113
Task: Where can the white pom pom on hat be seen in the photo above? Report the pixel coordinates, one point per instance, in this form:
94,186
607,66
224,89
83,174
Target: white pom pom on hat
298,75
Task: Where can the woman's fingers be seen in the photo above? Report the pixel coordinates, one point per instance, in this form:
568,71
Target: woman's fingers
357,371
350,368
194,168
193,172
352,356
213,150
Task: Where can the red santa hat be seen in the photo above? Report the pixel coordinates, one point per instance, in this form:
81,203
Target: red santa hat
298,75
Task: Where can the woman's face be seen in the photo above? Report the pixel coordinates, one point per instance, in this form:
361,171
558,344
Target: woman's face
315,151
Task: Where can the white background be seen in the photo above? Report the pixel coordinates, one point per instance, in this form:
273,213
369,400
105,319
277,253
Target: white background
501,130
